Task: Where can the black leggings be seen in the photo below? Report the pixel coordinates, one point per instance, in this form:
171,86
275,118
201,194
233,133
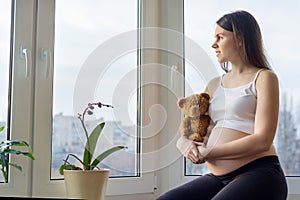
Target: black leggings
261,179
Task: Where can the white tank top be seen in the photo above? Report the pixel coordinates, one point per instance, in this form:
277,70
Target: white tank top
234,108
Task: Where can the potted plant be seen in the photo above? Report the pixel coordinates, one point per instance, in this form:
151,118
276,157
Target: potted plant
88,176
7,148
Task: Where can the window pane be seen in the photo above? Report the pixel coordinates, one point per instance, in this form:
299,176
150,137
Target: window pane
280,39
5,22
82,31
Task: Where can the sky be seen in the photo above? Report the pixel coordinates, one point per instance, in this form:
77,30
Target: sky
79,31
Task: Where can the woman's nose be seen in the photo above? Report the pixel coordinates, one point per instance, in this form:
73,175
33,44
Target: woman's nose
214,45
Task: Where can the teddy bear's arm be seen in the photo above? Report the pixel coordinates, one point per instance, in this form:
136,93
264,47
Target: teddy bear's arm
185,127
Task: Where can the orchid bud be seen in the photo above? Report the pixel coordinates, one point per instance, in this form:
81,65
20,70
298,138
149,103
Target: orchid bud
91,107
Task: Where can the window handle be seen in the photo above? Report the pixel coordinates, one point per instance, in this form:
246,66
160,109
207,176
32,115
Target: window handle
25,54
46,57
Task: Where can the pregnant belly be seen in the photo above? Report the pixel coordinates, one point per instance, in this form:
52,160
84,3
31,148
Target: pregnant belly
223,135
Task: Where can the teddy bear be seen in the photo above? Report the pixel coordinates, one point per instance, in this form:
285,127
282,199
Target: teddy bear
196,123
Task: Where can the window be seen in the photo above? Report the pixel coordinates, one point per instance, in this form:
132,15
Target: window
16,85
279,41
86,58
5,25
44,81
81,32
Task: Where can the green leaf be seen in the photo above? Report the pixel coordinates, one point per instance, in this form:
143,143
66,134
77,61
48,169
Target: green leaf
3,160
93,138
105,154
13,151
10,143
28,154
16,166
1,128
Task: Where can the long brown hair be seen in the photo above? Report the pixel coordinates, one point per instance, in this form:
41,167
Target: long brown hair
246,31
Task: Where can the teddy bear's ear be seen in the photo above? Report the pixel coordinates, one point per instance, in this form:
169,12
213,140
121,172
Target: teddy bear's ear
181,102
205,95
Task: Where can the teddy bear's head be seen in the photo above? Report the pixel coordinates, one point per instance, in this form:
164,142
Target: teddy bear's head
194,105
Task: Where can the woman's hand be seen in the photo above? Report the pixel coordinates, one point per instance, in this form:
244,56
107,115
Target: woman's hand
193,153
190,150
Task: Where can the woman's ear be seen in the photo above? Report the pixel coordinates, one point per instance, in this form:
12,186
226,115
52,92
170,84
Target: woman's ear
240,43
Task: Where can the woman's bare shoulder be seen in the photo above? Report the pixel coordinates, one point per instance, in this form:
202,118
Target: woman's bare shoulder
267,77
267,82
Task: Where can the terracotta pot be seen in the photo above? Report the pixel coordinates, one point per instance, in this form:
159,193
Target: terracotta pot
89,185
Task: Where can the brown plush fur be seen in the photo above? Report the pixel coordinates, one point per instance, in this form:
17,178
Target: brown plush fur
196,122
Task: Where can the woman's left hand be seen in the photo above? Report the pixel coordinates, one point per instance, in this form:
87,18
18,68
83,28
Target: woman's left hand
194,155
190,150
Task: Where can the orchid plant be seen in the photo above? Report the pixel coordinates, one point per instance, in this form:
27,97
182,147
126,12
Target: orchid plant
88,161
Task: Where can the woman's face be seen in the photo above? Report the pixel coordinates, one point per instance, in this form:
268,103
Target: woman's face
225,45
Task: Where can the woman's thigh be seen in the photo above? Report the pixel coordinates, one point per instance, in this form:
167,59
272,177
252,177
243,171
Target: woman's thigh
263,184
204,188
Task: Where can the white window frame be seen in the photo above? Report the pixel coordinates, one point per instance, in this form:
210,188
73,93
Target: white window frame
42,185
32,104
21,96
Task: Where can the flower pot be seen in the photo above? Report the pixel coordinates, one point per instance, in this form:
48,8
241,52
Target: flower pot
87,184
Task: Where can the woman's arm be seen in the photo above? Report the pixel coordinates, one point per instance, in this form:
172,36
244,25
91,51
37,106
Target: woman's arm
265,125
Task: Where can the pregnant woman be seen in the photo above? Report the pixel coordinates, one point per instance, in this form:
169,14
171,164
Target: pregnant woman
244,107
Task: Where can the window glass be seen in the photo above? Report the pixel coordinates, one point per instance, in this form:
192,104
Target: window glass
277,22
5,23
81,32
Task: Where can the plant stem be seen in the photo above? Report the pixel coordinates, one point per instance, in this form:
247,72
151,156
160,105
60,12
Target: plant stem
4,172
87,138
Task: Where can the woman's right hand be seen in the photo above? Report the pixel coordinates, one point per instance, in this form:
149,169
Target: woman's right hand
193,154
189,149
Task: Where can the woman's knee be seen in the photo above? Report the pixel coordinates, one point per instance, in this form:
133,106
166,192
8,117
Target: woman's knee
205,187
